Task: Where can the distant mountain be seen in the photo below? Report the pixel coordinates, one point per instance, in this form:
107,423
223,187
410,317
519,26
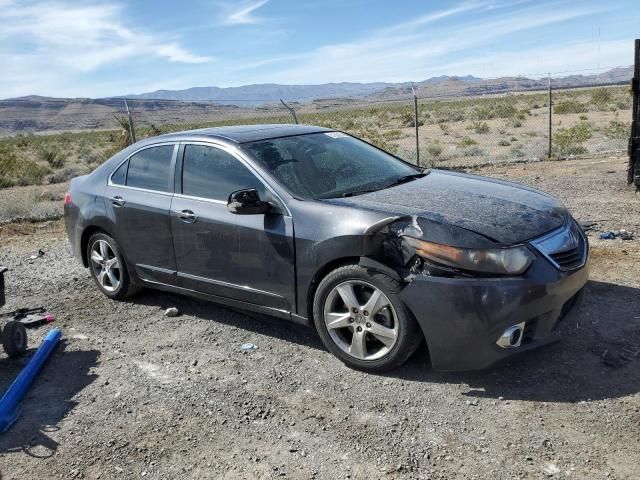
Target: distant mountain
34,113
266,93
473,86
444,85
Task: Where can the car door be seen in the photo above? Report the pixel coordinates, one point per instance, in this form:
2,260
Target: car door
138,201
242,257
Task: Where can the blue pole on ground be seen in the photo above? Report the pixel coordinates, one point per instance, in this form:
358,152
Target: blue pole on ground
10,402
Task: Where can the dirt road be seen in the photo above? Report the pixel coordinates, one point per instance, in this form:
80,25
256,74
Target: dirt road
132,393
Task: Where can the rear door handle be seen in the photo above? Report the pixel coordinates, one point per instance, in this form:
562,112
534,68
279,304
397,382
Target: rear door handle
187,216
118,201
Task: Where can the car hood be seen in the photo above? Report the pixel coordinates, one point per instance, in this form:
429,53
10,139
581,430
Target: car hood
504,212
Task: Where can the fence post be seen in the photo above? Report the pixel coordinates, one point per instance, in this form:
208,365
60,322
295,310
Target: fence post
293,112
132,130
415,121
634,141
550,117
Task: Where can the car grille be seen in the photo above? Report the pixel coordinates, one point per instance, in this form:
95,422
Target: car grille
566,248
569,259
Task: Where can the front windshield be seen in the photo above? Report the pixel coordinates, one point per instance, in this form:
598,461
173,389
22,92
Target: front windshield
328,164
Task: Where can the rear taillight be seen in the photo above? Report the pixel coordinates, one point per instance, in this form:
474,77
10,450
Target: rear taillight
67,198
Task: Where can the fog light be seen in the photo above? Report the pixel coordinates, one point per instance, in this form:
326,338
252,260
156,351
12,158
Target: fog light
512,336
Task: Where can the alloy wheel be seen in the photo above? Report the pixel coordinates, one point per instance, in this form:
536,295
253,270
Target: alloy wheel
105,265
361,320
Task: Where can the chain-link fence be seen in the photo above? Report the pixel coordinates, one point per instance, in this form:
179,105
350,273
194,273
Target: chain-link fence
458,124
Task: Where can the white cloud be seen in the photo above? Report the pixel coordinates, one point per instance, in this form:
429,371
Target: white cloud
243,15
409,51
54,40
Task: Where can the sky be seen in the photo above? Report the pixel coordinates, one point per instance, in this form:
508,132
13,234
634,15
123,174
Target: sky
78,48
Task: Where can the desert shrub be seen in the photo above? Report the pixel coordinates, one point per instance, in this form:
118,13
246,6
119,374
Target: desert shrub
8,160
479,127
516,151
449,115
472,151
601,97
64,175
50,155
570,106
6,182
617,130
394,134
406,118
583,117
374,137
515,122
433,150
444,127
31,173
494,110
467,142
568,141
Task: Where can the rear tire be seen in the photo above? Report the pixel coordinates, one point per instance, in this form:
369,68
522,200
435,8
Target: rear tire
378,340
108,268
14,339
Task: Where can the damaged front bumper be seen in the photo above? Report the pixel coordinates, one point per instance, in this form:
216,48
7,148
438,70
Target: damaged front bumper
463,318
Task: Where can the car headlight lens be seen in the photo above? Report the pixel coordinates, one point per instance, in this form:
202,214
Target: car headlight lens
504,261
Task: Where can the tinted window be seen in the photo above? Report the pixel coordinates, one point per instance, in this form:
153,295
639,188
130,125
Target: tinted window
209,172
119,177
150,168
332,164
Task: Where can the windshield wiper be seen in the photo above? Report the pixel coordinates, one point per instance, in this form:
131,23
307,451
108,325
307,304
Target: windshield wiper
397,181
405,179
353,193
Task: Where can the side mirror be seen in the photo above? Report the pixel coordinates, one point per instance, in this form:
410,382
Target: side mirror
247,202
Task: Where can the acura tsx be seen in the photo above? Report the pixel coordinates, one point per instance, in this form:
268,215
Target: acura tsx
316,226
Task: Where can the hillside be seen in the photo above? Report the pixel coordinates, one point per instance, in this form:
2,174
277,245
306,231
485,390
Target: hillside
37,114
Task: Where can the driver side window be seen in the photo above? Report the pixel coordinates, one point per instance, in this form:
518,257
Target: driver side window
209,172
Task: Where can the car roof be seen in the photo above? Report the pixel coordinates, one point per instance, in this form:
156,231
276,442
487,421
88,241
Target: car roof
247,133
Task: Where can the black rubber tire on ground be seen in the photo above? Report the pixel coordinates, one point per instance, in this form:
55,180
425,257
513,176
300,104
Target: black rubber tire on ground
409,333
14,339
126,288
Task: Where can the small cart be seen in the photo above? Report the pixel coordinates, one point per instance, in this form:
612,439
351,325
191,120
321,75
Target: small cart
14,334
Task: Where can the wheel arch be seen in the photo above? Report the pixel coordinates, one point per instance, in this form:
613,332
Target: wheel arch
84,240
320,274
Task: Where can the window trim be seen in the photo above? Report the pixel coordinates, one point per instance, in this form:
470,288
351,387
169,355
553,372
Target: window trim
234,152
172,169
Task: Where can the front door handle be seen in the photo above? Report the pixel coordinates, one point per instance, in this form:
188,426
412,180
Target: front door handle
118,201
187,216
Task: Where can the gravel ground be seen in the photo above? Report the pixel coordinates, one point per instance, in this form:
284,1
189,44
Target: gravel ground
132,393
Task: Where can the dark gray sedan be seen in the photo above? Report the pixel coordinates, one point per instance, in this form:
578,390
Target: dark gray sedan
318,227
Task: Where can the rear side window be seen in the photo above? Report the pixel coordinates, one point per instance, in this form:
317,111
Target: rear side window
150,168
119,177
208,172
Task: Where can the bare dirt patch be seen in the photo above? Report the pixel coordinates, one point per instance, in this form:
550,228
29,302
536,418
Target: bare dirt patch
133,393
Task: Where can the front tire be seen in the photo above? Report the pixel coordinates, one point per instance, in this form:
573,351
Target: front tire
362,320
108,268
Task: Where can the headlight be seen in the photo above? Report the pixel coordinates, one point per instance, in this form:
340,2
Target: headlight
505,261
